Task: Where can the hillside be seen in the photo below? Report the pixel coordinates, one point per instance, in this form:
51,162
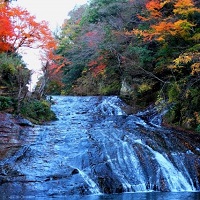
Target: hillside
145,51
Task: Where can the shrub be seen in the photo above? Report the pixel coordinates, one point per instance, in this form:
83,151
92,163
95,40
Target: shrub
37,111
173,93
6,103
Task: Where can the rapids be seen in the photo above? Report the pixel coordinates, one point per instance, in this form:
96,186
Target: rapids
96,148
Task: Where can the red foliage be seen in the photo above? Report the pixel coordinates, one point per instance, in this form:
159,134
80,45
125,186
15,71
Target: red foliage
99,69
91,34
92,63
5,28
18,28
92,38
97,66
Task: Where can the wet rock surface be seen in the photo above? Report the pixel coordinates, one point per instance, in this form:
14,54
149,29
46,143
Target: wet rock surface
96,147
13,132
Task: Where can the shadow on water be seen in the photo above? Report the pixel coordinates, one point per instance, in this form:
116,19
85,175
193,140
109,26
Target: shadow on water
124,196
145,196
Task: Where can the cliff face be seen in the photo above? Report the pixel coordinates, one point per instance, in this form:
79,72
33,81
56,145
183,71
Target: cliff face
12,132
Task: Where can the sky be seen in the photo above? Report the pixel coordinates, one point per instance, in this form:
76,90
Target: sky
52,11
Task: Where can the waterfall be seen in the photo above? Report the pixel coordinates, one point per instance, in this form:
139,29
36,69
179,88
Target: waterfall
92,185
110,106
96,147
174,178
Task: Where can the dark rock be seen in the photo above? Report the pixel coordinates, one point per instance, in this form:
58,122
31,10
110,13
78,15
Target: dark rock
23,122
110,185
75,171
11,134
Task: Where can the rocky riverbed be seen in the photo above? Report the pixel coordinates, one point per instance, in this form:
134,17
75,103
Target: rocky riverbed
95,147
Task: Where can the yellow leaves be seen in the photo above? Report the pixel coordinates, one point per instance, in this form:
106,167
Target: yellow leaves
183,3
174,67
183,28
197,117
163,3
144,87
162,27
196,37
138,32
183,59
183,24
195,68
187,60
185,7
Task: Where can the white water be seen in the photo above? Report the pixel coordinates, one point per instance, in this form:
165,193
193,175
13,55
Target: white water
175,179
113,152
92,185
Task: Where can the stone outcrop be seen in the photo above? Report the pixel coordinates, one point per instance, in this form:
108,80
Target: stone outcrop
12,134
125,89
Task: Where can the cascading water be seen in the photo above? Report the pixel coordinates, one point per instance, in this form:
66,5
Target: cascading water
95,147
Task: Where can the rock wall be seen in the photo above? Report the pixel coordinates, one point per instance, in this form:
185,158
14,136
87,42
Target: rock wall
12,133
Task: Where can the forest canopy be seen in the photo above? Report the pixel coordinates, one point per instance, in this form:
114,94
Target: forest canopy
146,51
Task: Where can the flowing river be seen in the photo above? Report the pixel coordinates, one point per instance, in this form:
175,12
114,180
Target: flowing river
95,150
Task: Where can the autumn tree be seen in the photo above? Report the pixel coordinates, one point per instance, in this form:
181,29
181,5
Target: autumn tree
6,29
26,32
148,47
173,28
19,29
97,38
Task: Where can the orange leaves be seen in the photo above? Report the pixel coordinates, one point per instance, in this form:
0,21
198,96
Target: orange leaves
171,25
97,66
162,29
19,29
58,62
158,31
5,24
181,28
146,35
5,28
154,6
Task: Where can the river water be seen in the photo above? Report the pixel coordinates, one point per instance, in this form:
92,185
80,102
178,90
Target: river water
95,150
